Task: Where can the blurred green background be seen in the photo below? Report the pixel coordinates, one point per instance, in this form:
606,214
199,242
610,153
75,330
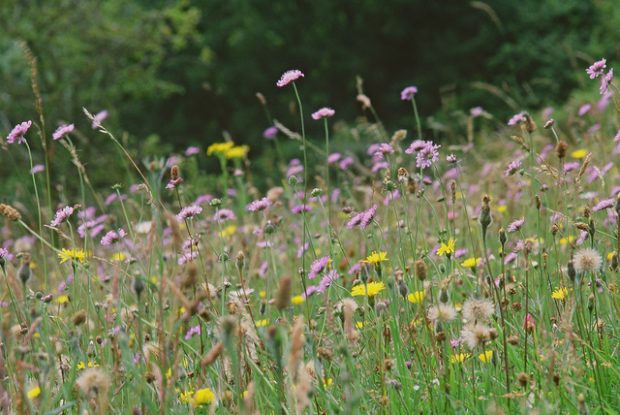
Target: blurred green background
179,73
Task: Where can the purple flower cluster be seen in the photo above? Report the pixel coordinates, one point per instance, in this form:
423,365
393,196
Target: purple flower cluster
189,212
324,112
223,215
407,93
61,216
597,70
517,119
513,167
258,205
288,77
18,132
318,266
515,225
362,219
62,131
113,237
100,117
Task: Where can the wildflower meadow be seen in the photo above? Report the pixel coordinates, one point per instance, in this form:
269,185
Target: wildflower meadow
472,275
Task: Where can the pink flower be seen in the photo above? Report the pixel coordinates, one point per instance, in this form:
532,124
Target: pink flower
270,133
605,81
223,215
512,168
189,212
190,151
61,216
258,205
604,204
415,146
584,109
62,131
324,112
37,168
427,155
100,117
113,237
517,119
18,132
476,112
288,77
408,93
516,225
597,68
317,267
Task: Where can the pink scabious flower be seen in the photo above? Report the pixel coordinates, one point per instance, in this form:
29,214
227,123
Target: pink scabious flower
476,112
512,168
427,156
407,93
258,205
333,158
346,163
37,168
415,146
187,257
327,280
192,150
61,216
324,112
517,119
5,255
224,215
382,165
516,225
202,199
511,257
270,133
296,210
18,132
597,68
584,109
62,131
113,237
193,331
174,183
189,212
362,219
451,158
317,267
98,118
605,81
570,166
604,204
288,77
294,168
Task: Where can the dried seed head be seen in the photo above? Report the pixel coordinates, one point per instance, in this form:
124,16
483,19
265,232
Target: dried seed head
421,270
530,125
174,172
560,149
283,299
9,212
550,122
402,175
79,317
523,379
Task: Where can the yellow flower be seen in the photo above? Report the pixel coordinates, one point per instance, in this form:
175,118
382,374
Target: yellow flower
567,240
471,262
447,249
219,148
373,289
298,299
262,294
502,208
119,256
486,356
359,324
416,297
62,299
81,365
459,357
611,255
376,257
71,254
262,323
579,154
228,231
186,397
237,152
203,396
34,393
560,294
328,382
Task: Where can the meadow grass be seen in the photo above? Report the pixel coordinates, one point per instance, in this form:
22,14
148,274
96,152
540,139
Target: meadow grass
476,277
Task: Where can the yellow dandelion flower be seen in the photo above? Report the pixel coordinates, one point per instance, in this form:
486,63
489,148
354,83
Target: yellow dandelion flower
447,249
119,257
34,392
62,299
262,294
237,152
502,208
359,324
186,397
471,262
560,294
262,323
579,154
328,382
376,257
486,356
459,357
567,240
416,297
81,365
203,396
219,148
371,289
71,255
228,231
611,255
297,300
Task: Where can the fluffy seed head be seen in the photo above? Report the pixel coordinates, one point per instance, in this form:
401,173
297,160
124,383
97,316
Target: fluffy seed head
477,309
587,260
